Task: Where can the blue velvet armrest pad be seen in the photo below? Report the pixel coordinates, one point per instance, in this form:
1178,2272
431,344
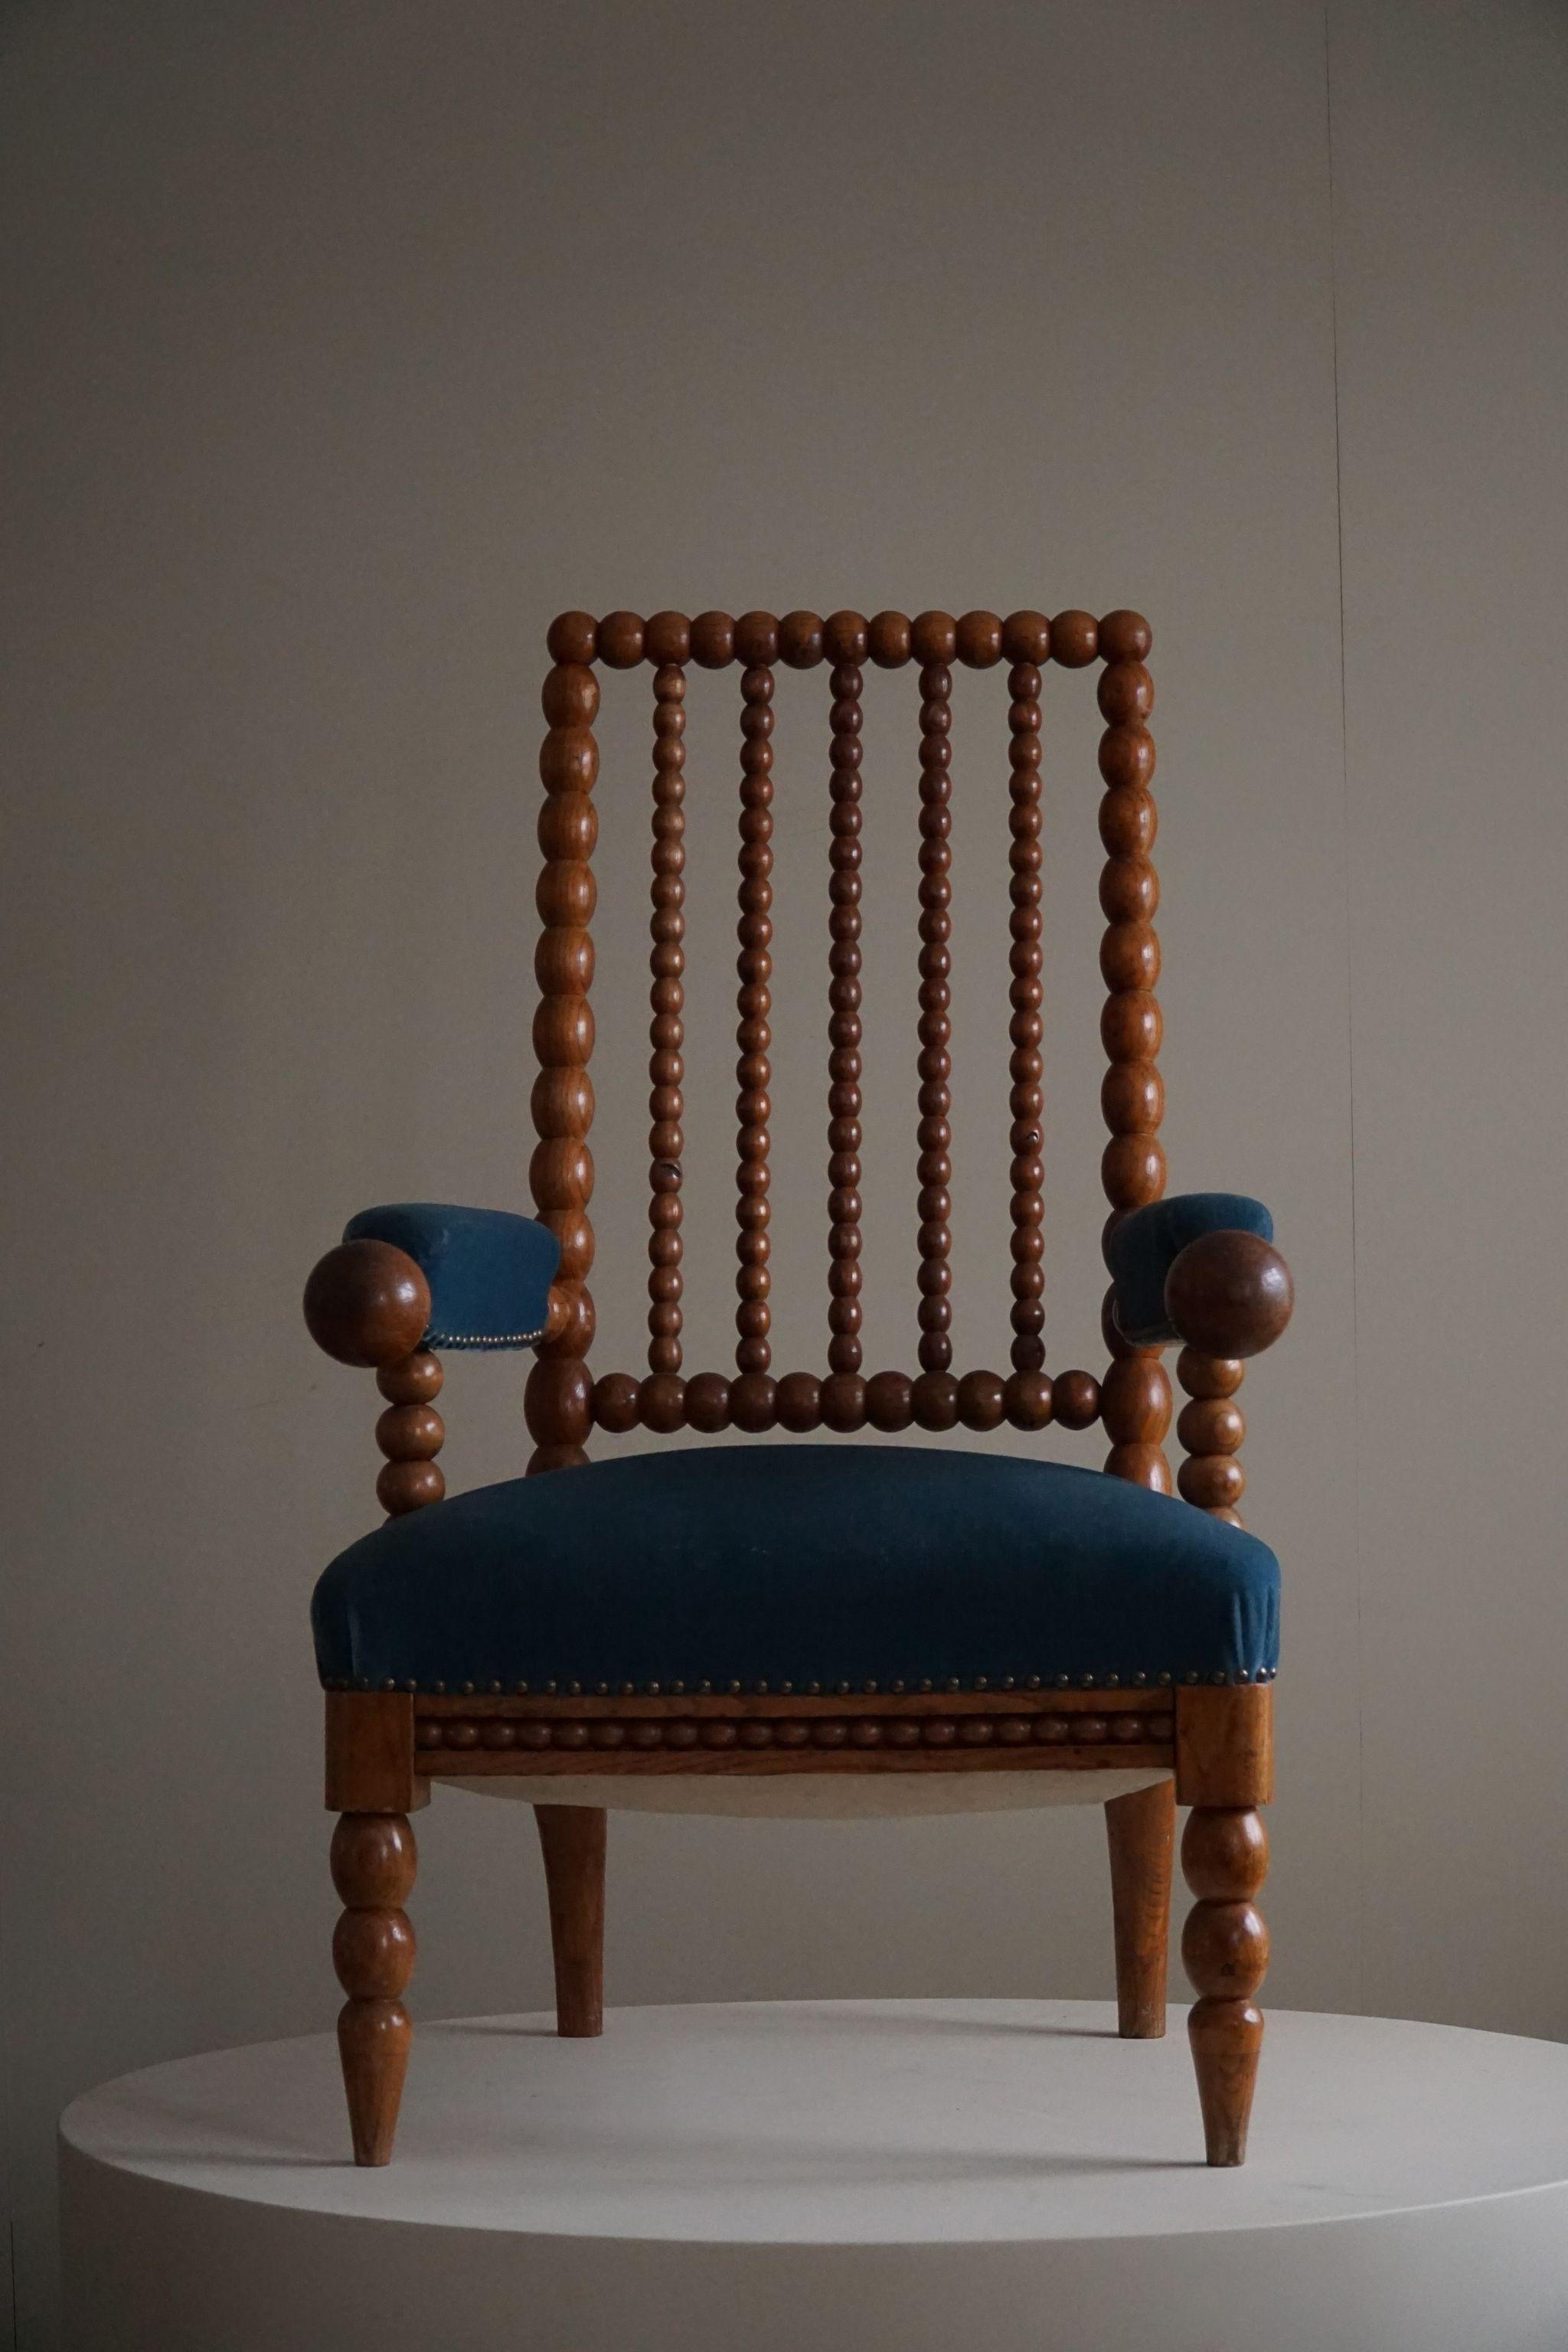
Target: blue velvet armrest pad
1141,1250
490,1272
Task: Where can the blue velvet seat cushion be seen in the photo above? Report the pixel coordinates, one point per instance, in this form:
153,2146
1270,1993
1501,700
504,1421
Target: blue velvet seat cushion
1140,1251
801,1565
488,1270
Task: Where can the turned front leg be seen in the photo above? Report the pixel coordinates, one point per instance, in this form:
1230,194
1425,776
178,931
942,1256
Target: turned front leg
373,1864
1225,1949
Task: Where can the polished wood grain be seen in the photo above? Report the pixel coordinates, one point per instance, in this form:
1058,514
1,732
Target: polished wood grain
1210,1429
1224,1744
712,640
1059,1729
802,640
667,638
662,1400
367,1304
1075,639
1228,1288
373,1859
978,639
573,637
1075,1397
1135,1409
1141,1830
753,1395
935,1400
621,640
573,1838
1155,1700
1225,1771
371,1765
801,1401
696,1726
1027,637
840,1399
1027,1099
1229,1294
410,1434
890,640
1225,1950
558,1400
1135,1394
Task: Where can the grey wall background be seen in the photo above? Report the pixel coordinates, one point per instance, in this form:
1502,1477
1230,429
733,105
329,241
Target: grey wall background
344,346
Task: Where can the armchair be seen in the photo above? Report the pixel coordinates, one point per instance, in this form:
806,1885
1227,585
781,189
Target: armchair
831,1628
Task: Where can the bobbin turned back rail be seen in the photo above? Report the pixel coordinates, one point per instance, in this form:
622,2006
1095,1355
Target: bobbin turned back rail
1133,1397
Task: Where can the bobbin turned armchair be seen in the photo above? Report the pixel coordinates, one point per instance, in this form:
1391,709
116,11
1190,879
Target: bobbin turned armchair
836,1627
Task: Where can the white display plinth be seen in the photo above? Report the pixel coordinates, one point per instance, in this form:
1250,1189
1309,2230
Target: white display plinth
920,2176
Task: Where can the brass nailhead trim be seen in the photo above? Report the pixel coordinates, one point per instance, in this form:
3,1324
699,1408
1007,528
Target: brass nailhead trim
521,1688
476,1339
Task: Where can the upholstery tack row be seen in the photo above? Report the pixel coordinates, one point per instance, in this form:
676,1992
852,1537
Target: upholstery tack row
477,1342
555,1688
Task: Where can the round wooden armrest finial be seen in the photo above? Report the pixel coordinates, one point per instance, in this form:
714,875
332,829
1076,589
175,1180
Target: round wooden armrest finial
367,1304
1229,1294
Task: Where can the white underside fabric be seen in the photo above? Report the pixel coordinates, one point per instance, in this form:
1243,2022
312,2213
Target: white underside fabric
815,1796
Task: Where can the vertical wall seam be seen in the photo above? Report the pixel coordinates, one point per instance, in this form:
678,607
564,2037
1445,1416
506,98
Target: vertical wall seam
1361,1961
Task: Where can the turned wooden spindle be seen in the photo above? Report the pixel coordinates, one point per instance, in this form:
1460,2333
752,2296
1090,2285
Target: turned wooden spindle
1025,637
558,1401
1218,1280
753,1396
1135,1396
934,637
842,1402
559,1396
1134,1406
410,1432
1211,1429
1225,1950
368,1303
1026,995
373,1862
662,1404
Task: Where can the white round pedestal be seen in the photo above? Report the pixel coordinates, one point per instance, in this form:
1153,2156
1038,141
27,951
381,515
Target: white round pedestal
919,2175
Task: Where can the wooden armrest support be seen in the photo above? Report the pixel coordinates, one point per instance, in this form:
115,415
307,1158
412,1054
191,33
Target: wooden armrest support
367,1304
1229,1294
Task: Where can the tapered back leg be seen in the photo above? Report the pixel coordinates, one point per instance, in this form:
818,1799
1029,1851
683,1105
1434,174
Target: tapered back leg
1142,1832
574,1840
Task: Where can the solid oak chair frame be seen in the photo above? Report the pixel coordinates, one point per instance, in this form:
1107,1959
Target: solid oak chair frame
369,1304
